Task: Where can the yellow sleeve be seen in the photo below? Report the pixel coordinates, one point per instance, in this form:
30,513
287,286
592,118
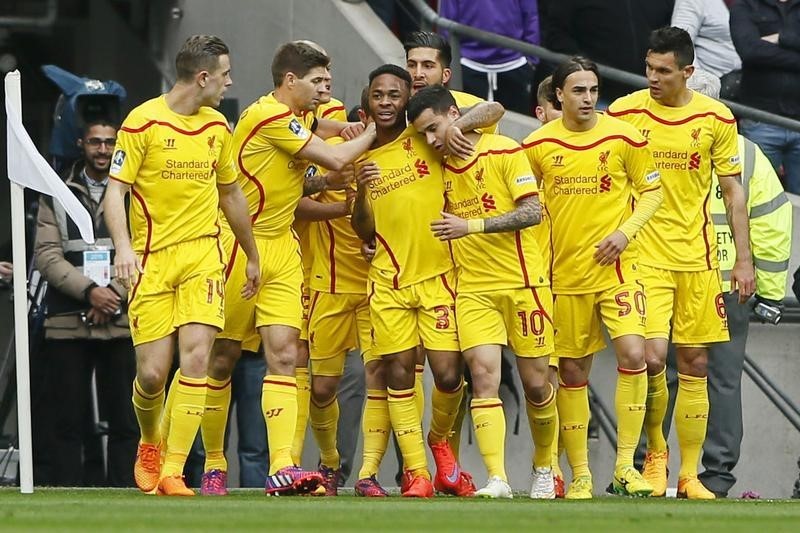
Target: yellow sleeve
226,169
646,207
131,149
519,177
640,167
287,133
725,150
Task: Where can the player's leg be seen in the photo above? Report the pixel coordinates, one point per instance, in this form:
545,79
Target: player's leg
557,446
419,380
303,377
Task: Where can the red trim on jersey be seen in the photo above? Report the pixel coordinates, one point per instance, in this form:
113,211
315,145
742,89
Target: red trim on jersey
332,110
539,303
671,122
729,175
630,372
219,387
406,395
488,152
575,387
377,398
220,252
312,306
396,278
447,286
526,195
331,256
521,257
588,146
149,221
187,384
120,181
232,259
261,196
705,230
174,127
143,394
138,278
486,406
270,382
618,268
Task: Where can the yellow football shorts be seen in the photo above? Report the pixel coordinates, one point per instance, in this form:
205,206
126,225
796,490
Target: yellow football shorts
278,301
520,318
337,324
423,311
181,284
578,317
692,301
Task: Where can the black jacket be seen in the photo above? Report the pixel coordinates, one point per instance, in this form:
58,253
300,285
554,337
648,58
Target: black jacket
770,72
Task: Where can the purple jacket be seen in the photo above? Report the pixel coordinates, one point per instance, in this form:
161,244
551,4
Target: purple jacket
518,19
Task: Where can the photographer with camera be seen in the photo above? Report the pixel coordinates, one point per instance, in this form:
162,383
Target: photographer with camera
86,330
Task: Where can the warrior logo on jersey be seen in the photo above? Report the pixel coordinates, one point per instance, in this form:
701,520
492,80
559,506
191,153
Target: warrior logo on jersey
298,129
695,137
603,160
558,160
408,146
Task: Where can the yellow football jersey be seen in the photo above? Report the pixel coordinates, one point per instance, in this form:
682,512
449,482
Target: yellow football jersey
266,141
333,110
173,164
589,181
407,197
686,142
465,100
488,184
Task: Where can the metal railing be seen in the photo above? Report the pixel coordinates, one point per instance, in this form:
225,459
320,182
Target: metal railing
456,30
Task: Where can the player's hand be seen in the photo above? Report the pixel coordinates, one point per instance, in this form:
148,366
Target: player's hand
104,300
610,248
743,279
351,131
97,318
339,180
457,144
368,250
127,266
449,228
253,272
366,173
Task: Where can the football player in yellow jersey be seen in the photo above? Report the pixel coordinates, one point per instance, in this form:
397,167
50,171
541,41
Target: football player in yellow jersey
688,134
410,289
589,162
503,290
174,156
273,147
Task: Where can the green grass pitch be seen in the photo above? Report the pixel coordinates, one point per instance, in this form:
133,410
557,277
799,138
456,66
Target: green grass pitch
126,511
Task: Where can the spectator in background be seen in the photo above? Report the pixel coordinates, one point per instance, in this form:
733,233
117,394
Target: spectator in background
707,22
497,74
610,32
86,328
396,14
766,34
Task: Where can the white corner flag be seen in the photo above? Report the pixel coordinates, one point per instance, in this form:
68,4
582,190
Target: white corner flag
27,168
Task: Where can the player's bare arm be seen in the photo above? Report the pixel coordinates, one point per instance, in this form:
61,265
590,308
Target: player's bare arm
527,213
743,275
333,180
480,115
363,220
234,205
331,128
126,265
337,157
314,211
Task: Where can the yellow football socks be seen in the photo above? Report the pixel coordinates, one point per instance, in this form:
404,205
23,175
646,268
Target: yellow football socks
419,390
166,418
375,426
148,409
444,410
407,428
489,423
573,411
303,402
657,398
212,427
324,423
691,419
556,447
454,438
629,402
188,406
543,422
279,405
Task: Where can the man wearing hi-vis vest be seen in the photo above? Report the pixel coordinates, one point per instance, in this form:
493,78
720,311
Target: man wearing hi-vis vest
770,221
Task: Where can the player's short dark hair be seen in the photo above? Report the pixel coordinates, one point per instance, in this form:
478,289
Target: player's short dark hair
298,58
570,66
437,98
427,39
675,40
394,70
365,98
199,52
545,92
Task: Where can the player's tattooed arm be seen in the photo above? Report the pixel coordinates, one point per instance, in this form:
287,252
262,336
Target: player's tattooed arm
314,184
528,213
482,115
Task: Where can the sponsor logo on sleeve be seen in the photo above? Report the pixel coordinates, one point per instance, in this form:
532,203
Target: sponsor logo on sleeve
117,161
298,129
734,160
522,180
653,176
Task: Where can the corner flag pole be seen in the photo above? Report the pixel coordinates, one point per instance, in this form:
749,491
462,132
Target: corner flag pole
14,95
